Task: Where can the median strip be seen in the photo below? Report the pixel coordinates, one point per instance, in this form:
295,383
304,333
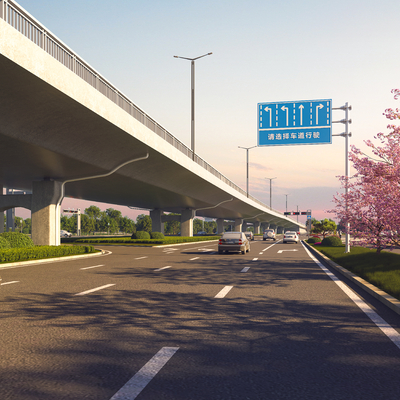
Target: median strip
95,289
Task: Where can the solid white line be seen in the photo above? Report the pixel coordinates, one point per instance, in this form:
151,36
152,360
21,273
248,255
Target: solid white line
140,380
160,269
196,258
95,289
387,329
245,269
223,292
96,266
140,258
8,283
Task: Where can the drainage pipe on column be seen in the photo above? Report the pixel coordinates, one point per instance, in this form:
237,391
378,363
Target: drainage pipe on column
82,179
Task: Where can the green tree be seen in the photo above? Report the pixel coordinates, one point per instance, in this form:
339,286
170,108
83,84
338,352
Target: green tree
323,227
94,214
126,225
197,225
27,229
143,223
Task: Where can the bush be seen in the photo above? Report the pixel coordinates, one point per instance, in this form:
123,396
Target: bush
140,235
312,240
332,241
4,243
157,235
40,252
17,239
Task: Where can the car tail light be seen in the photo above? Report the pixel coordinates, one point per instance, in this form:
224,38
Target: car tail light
240,241
220,241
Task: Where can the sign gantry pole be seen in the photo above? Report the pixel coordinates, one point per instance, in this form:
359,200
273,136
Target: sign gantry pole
346,134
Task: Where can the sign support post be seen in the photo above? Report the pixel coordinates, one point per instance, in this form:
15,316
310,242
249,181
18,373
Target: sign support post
346,121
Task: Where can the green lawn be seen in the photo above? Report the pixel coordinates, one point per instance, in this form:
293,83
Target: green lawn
382,270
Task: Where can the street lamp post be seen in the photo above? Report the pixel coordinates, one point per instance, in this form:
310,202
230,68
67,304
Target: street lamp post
192,97
247,166
286,201
270,192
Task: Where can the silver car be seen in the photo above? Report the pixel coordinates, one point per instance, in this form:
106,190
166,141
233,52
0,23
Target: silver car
233,241
269,234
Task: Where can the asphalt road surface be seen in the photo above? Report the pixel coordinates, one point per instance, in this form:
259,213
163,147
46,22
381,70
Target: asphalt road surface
183,322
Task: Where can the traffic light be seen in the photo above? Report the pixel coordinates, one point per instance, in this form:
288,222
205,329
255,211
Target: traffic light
296,212
287,213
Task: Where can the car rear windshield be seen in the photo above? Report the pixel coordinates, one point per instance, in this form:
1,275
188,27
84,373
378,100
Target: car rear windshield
231,235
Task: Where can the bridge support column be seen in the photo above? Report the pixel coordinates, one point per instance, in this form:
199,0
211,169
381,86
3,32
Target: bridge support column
238,224
156,223
220,225
45,195
279,229
187,222
256,227
244,226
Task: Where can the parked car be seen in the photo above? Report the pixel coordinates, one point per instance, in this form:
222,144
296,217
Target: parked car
249,235
269,234
64,233
290,237
233,241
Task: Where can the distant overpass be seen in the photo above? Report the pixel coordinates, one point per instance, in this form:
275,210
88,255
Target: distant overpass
60,121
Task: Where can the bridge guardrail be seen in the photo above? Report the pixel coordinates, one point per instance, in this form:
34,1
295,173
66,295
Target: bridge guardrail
27,25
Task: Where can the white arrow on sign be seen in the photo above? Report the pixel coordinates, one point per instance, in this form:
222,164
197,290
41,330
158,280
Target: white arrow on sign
283,108
319,106
301,113
281,251
270,114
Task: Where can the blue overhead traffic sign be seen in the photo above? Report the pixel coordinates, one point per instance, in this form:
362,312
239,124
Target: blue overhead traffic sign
295,122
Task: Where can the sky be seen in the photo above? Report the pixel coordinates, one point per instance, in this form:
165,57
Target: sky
263,51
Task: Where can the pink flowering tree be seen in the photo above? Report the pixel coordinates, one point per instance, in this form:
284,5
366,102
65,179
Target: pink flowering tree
372,205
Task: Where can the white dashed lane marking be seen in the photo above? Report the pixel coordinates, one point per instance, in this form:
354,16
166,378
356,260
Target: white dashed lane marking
245,269
95,289
140,380
160,269
223,292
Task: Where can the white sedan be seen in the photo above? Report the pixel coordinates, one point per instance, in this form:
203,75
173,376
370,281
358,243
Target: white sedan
64,233
290,237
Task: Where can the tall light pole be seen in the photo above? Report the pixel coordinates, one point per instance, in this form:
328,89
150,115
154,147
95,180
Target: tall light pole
247,166
192,97
270,192
286,201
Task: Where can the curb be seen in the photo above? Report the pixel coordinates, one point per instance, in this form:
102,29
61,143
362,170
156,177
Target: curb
379,294
47,260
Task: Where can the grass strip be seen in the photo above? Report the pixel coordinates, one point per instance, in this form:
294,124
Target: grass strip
382,270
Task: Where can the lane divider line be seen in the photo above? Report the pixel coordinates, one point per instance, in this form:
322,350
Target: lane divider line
95,289
141,379
95,266
195,258
8,283
223,292
271,245
245,269
255,259
140,258
387,329
160,269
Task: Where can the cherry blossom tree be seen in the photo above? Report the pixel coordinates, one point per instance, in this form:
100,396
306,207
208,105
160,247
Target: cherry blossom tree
372,204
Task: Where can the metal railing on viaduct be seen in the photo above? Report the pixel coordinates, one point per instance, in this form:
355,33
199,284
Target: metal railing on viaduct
27,25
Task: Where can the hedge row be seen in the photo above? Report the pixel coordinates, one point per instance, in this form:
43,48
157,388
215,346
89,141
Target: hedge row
39,252
127,240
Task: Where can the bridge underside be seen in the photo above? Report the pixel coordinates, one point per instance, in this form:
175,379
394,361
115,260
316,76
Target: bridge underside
54,126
